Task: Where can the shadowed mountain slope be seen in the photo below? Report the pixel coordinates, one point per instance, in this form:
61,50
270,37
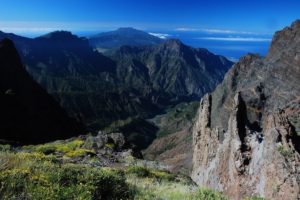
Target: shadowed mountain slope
28,114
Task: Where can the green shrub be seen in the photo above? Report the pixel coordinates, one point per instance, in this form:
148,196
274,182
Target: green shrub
254,198
5,147
69,146
80,152
46,149
138,171
162,175
58,147
207,194
13,183
8,161
110,145
156,174
287,153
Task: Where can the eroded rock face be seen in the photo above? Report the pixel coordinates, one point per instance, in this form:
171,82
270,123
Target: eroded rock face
246,138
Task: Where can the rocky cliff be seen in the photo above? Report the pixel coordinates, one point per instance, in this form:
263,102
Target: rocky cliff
246,137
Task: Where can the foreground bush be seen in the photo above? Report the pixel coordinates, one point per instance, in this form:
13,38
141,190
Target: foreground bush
41,177
144,172
138,171
207,194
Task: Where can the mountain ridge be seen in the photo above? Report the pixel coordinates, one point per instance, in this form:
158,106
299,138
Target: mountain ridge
131,82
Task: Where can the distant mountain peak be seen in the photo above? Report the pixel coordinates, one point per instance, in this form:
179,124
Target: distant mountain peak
59,35
128,29
11,36
123,36
65,40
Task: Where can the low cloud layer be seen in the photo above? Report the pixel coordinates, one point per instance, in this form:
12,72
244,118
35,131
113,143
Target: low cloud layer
237,39
161,35
217,31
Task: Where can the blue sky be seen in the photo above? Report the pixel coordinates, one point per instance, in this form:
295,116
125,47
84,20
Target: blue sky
261,16
232,21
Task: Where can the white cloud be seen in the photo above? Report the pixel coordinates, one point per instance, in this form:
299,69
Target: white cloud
236,39
233,59
30,27
223,31
48,26
187,29
28,30
216,31
161,35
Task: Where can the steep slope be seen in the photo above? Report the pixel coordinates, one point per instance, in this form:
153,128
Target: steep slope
28,114
246,136
121,37
82,80
174,138
172,69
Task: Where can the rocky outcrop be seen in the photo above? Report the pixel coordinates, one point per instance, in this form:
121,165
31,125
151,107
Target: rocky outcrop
246,136
116,140
111,149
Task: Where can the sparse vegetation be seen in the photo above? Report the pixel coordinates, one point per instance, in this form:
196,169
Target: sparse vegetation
255,198
150,173
208,194
175,118
39,176
72,148
151,184
42,172
5,147
110,145
148,184
287,153
80,152
138,171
